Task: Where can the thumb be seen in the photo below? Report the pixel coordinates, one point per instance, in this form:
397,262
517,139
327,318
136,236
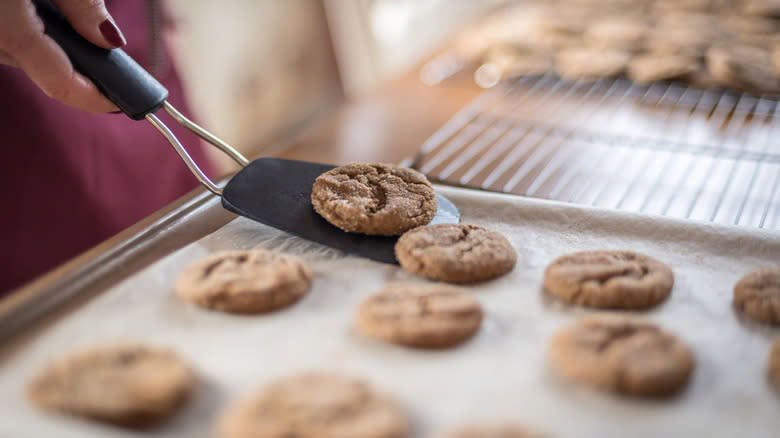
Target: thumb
91,19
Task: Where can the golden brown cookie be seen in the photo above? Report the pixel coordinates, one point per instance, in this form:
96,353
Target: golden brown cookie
622,33
125,384
376,199
743,67
764,8
757,294
314,405
660,67
244,281
679,40
505,62
681,5
420,315
622,354
590,63
489,431
742,24
609,279
773,364
455,253
550,29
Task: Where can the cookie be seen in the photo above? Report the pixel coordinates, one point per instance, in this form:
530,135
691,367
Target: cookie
660,67
744,67
764,8
609,279
757,294
506,62
244,281
376,199
742,24
622,354
126,384
549,29
681,5
616,33
773,364
314,405
587,63
489,431
455,253
679,39
420,315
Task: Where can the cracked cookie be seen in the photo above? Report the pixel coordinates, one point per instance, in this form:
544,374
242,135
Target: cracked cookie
244,281
376,199
622,354
420,315
757,294
127,384
455,253
773,364
490,431
314,405
609,279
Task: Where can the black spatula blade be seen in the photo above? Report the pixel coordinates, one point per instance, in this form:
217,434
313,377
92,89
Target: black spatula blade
277,193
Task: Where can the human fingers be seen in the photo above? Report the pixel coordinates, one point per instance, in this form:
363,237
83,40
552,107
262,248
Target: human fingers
23,40
6,59
91,19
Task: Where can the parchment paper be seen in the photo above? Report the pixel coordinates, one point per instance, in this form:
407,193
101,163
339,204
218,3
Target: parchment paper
502,374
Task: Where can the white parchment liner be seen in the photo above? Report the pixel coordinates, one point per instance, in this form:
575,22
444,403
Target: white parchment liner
501,374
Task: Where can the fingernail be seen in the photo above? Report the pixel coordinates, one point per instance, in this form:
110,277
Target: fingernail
112,34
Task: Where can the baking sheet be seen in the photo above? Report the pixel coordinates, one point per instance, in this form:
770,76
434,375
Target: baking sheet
501,374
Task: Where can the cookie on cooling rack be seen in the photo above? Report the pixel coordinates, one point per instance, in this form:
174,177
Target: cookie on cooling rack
763,8
126,384
622,354
653,67
244,281
622,33
586,63
741,66
375,199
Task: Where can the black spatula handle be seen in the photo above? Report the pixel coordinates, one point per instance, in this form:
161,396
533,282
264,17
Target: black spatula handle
115,73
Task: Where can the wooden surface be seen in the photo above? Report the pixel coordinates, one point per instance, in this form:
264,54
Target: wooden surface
389,124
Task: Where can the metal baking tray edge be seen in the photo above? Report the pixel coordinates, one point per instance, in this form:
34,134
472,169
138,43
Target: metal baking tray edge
32,306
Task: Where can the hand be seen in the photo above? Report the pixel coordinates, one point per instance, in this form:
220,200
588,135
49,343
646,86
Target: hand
24,44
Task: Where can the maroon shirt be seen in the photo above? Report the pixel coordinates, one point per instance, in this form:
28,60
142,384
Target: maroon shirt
69,179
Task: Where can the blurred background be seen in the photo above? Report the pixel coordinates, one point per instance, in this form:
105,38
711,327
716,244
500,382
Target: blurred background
668,107
256,70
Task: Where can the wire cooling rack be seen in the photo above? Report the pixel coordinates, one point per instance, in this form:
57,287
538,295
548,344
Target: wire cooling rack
665,148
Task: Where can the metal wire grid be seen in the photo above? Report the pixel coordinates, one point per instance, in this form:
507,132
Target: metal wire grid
666,148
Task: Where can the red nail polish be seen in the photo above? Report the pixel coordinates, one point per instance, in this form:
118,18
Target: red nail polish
112,34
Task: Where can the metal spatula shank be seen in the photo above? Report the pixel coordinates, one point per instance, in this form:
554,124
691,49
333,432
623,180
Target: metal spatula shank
271,191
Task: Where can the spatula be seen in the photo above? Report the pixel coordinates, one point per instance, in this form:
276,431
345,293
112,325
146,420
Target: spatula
272,191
